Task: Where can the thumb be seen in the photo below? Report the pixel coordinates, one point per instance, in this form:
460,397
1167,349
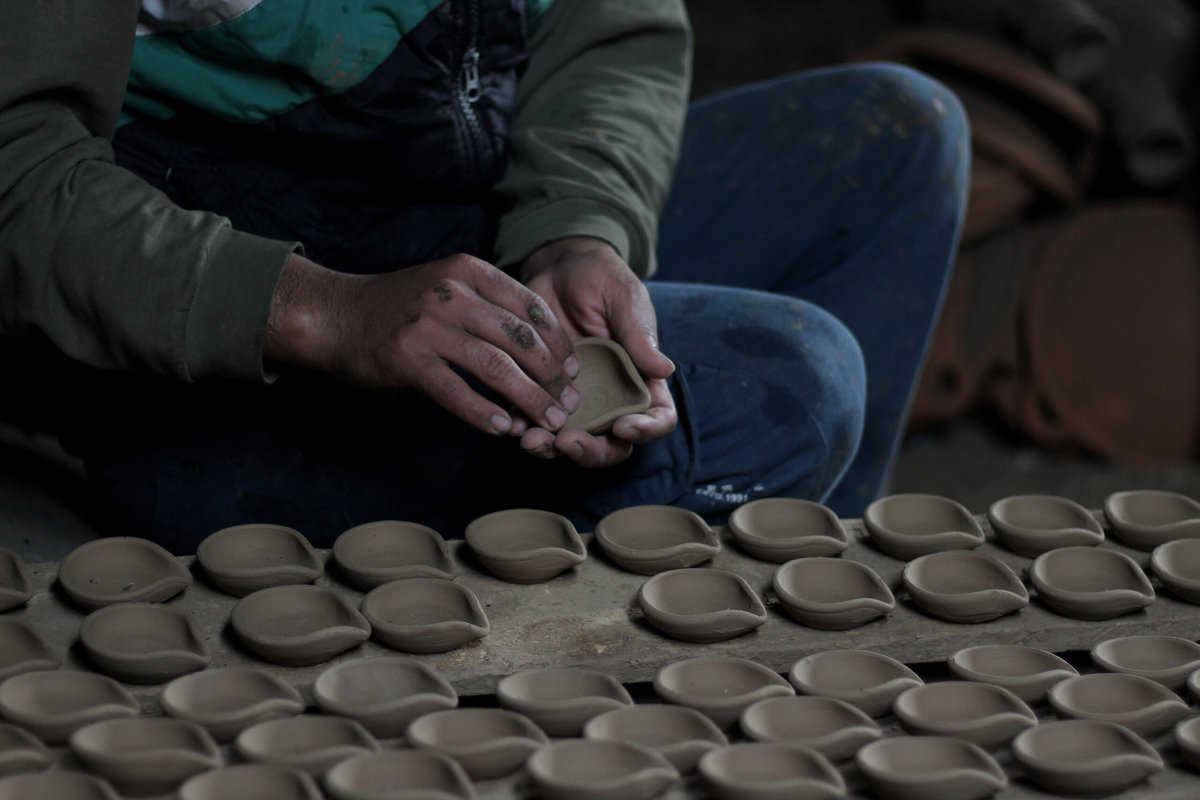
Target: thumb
635,327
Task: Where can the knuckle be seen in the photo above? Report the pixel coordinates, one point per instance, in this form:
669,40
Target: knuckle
496,365
442,291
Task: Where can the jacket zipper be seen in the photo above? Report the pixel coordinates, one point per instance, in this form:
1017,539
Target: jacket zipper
469,88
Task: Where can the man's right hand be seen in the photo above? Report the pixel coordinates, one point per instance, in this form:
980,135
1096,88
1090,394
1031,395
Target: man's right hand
406,329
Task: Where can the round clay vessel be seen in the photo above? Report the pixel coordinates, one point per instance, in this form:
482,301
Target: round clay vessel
376,553
831,593
1138,703
720,687
964,586
783,528
486,742
1032,524
1187,739
383,694
245,558
1193,683
561,700
1169,660
142,756
1177,565
1090,582
609,385
1085,757
865,679
1146,519
909,525
142,642
226,701
1025,671
425,615
701,605
56,784
923,767
771,771
833,728
311,743
982,713
21,751
588,769
22,650
14,580
650,539
251,782
121,569
525,545
297,624
54,703
679,734
417,774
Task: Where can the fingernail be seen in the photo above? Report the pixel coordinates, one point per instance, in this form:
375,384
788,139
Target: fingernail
571,366
501,423
555,416
578,448
569,398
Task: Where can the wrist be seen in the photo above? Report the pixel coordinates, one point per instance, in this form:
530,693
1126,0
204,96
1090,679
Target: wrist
560,250
304,326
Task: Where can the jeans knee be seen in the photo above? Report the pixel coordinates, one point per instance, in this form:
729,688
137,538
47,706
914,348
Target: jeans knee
838,374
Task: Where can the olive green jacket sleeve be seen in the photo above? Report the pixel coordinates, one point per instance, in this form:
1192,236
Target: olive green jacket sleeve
597,125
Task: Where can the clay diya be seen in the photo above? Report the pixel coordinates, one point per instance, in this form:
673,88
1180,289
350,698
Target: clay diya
679,734
14,580
964,586
54,703
297,624
833,728
245,558
1187,739
142,642
60,785
782,528
143,755
982,713
609,385
20,751
400,774
911,767
1177,565
311,743
650,539
376,553
865,679
561,700
770,771
525,545
1090,582
1025,671
1193,683
121,569
1031,524
383,694
1146,519
1085,757
701,605
425,615
250,782
1169,660
22,650
226,701
909,525
720,687
589,769
1138,703
486,742
831,593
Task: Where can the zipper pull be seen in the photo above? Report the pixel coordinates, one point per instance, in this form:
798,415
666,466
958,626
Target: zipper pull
471,88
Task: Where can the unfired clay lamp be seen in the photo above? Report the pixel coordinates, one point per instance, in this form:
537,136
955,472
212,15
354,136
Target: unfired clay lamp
297,624
964,586
1187,739
378,552
609,385
311,743
142,756
863,678
677,733
1169,660
650,539
226,701
22,650
770,771
142,642
20,751
53,704
486,742
525,545
14,580
1090,582
245,558
1085,757
587,769
1177,565
419,774
1138,703
720,687
561,700
1025,671
1145,519
121,569
831,593
909,525
912,767
250,782
1031,524
425,615
57,784
701,605
833,728
782,528
981,713
383,694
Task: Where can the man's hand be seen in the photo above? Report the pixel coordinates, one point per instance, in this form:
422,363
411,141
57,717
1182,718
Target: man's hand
592,292
406,329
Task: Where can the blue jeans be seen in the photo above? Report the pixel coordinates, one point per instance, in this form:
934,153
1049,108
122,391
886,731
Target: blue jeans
803,253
